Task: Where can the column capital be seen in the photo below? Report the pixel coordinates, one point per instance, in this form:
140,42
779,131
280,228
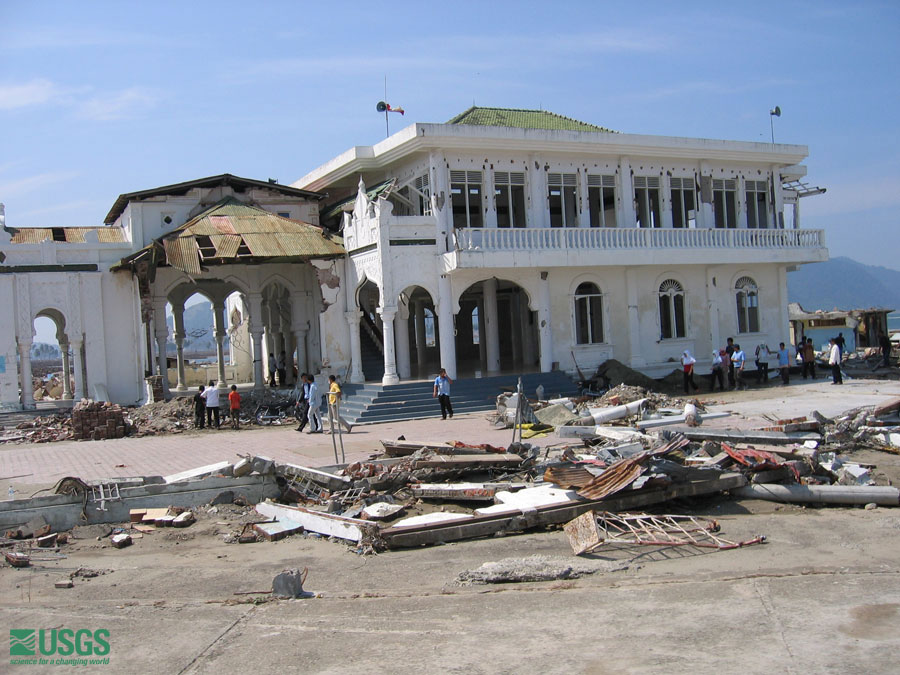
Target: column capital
387,313
353,316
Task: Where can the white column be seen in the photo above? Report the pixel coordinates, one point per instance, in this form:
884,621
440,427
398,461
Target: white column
444,308
401,334
421,353
482,333
783,317
634,322
178,316
779,198
67,368
78,357
218,317
706,216
492,327
515,315
584,207
665,201
390,359
254,301
538,212
625,213
741,198
490,214
300,342
27,380
712,309
356,373
545,326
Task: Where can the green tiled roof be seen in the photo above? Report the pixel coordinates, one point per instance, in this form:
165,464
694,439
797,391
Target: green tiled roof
521,119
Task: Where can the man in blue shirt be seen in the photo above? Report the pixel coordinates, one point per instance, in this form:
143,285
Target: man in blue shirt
784,362
442,392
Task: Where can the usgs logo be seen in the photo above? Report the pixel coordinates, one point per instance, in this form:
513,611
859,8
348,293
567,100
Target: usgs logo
58,642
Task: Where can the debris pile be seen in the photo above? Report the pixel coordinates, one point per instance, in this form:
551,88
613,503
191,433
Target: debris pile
94,420
162,417
41,429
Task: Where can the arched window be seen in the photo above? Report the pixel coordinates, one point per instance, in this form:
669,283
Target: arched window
588,314
671,310
747,297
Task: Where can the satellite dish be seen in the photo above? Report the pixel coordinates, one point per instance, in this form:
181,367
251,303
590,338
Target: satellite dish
776,111
381,106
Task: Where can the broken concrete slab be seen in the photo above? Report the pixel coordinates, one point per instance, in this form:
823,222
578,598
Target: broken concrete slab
329,524
536,568
739,436
459,491
289,584
199,472
821,494
621,434
325,478
120,540
382,510
278,529
432,518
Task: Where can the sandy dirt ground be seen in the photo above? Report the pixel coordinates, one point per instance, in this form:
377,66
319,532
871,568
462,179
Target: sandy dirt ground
821,595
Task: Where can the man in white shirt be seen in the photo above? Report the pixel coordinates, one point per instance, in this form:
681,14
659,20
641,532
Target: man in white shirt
737,359
211,394
834,360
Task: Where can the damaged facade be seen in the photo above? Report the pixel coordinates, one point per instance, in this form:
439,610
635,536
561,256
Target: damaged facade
501,241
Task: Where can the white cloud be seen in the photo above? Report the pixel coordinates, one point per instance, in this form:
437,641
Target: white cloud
30,183
118,104
35,92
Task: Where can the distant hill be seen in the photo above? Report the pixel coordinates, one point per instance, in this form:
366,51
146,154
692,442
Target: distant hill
198,327
842,283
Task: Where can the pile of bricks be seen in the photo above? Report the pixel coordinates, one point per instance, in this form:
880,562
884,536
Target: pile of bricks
93,420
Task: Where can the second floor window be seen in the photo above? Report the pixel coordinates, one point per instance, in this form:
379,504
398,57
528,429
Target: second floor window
725,203
757,204
509,195
562,190
646,201
671,310
588,314
465,191
684,205
602,200
423,192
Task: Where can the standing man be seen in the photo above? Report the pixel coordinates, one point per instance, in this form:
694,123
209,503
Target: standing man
272,368
282,370
211,395
885,344
762,364
809,359
334,405
737,362
687,364
234,407
729,352
442,393
718,370
840,342
199,408
784,363
834,360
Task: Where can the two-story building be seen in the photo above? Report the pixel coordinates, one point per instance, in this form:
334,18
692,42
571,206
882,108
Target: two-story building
525,240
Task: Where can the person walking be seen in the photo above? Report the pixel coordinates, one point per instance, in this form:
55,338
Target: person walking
442,393
313,414
334,405
834,360
738,359
762,364
809,359
718,370
234,407
302,404
687,365
199,408
211,396
784,363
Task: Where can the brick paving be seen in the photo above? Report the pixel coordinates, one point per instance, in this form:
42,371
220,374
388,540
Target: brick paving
167,454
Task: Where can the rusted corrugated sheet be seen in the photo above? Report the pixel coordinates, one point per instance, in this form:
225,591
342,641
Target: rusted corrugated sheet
226,245
568,476
222,224
617,477
184,254
31,235
71,235
263,245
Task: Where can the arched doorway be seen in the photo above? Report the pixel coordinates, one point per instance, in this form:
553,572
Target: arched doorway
496,330
51,358
418,349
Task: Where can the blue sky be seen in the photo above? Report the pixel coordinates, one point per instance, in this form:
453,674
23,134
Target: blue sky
97,99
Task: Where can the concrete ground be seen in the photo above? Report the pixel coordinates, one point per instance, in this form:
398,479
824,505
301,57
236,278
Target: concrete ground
822,595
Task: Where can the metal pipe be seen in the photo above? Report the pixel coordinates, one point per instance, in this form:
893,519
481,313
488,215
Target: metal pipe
823,494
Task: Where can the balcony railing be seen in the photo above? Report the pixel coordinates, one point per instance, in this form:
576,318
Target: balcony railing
558,239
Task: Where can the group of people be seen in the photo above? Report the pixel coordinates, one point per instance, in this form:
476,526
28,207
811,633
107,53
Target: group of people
207,410
278,366
730,362
308,405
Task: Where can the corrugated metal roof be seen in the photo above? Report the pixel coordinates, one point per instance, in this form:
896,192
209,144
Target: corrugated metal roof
67,235
231,223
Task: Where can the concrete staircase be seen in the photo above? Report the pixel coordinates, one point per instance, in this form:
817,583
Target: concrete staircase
371,403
